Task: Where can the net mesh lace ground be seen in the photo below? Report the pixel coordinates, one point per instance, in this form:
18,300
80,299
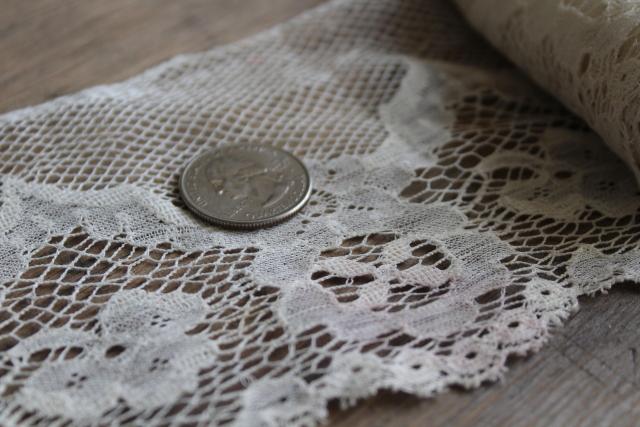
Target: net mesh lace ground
584,52
457,215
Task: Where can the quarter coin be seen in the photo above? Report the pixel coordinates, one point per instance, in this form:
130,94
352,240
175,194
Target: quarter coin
245,186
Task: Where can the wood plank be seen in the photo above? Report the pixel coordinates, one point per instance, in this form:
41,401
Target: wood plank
52,47
587,375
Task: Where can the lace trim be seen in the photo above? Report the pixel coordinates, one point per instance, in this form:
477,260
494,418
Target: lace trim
456,218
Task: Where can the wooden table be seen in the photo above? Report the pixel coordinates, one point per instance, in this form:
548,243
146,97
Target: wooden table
587,375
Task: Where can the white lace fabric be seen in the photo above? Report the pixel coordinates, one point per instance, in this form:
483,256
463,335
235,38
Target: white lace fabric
457,215
584,52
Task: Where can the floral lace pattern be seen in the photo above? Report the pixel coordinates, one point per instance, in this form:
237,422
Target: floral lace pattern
584,52
457,215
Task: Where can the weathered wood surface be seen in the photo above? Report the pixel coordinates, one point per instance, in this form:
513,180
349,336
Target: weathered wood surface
53,47
588,374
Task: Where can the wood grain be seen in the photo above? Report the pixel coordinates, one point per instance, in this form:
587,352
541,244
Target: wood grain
53,47
587,375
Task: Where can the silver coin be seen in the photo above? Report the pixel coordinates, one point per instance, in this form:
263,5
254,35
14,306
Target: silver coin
245,186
